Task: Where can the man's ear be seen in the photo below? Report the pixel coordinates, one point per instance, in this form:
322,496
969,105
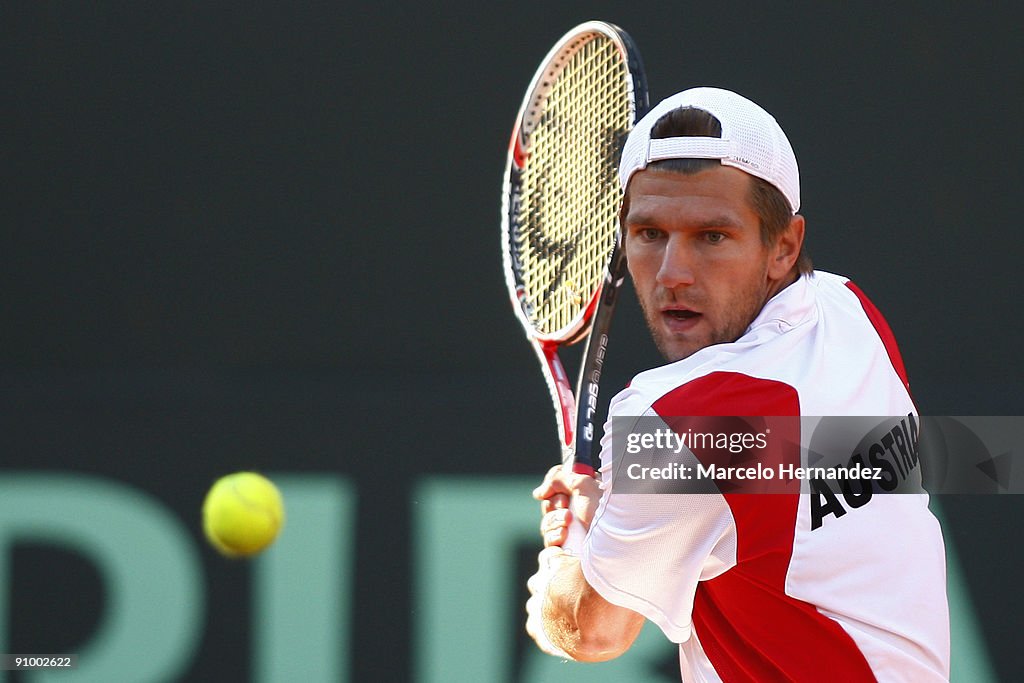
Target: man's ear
786,249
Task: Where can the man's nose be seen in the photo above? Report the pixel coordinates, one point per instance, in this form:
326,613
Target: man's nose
677,267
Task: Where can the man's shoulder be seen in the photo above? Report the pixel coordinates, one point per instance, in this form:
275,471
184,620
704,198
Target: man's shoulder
815,346
727,392
716,392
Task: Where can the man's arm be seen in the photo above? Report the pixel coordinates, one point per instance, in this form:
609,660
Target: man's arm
565,615
574,618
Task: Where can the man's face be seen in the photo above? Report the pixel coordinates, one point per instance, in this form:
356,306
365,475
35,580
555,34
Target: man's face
694,249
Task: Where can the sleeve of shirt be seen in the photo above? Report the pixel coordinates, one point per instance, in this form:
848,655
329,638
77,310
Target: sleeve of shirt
649,551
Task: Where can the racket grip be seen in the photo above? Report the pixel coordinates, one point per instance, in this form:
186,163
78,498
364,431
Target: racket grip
574,541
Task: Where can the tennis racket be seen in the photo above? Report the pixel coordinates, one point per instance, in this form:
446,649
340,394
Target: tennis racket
560,215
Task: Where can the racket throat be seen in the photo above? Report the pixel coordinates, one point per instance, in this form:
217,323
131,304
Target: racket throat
562,395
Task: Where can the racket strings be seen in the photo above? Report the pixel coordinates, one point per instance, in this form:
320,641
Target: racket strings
569,193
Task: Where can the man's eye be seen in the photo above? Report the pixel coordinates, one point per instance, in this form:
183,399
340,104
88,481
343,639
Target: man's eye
650,234
714,237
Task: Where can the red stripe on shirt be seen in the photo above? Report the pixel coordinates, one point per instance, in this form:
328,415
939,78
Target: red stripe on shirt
881,326
748,627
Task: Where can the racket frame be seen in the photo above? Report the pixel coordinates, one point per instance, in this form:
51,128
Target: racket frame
575,413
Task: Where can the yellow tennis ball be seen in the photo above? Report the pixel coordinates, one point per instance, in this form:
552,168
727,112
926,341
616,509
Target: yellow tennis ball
242,514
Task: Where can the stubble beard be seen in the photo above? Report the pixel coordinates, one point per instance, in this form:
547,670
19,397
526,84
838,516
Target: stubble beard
733,320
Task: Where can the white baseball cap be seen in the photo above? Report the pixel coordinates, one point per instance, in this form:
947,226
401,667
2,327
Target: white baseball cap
751,141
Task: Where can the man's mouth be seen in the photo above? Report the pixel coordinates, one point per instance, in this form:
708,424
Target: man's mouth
680,313
680,319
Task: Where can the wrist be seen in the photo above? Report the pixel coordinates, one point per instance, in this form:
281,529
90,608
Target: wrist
539,607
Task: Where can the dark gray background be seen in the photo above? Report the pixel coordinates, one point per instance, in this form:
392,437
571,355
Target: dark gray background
268,237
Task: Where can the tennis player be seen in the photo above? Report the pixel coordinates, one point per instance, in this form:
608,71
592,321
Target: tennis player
798,586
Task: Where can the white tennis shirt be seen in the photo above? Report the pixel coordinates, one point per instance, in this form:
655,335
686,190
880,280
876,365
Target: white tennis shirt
790,586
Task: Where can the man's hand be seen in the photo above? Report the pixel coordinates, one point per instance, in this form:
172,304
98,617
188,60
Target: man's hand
564,496
566,617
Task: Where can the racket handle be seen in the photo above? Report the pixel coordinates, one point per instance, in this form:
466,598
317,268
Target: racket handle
574,541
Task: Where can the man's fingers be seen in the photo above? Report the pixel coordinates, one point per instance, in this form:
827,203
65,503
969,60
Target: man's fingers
554,527
554,483
558,501
556,537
